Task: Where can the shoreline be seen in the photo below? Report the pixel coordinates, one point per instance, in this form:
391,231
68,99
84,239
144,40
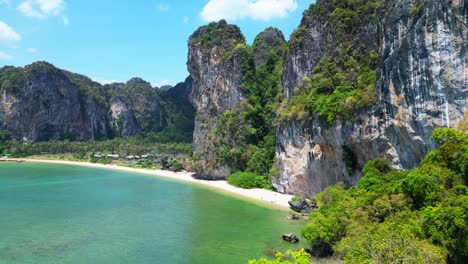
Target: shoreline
261,196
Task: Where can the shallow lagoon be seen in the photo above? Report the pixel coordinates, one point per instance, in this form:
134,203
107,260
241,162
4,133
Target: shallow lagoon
69,214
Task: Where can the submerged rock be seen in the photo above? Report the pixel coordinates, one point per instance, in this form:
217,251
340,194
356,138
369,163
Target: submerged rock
293,217
291,238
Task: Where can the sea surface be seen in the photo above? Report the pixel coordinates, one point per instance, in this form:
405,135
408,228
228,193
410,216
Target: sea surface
53,213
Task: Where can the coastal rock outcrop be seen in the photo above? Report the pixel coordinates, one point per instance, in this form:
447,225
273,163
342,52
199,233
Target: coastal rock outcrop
421,84
217,86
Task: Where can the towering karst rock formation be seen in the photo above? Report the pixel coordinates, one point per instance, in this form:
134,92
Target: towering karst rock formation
421,84
41,102
217,87
361,80
228,132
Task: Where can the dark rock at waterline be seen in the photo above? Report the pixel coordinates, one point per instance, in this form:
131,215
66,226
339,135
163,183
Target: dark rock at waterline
293,217
291,238
299,205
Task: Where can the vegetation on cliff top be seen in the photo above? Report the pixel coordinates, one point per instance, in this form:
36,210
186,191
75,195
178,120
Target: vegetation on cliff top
217,33
344,80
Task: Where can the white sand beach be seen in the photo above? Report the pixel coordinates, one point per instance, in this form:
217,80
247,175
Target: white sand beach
260,195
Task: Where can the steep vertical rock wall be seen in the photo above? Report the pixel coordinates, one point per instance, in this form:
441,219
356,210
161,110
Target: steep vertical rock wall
135,106
421,85
41,102
217,79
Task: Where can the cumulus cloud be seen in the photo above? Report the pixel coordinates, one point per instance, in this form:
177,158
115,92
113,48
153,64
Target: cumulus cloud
160,83
7,34
41,8
255,9
4,56
104,81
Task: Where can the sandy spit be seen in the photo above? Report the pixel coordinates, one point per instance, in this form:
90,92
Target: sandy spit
259,195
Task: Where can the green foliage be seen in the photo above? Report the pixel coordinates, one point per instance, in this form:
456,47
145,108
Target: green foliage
12,79
5,136
244,137
394,241
298,36
79,155
446,223
215,33
179,115
5,139
176,166
342,83
123,147
291,257
247,180
333,91
296,198
416,7
105,160
391,216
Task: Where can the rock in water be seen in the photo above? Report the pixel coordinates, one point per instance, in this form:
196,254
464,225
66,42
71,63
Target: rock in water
291,238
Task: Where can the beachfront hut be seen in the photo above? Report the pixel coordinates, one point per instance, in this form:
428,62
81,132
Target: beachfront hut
113,156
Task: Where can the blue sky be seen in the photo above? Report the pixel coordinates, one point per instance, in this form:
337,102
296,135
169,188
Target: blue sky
116,40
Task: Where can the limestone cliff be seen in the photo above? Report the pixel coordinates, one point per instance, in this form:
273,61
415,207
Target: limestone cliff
41,102
217,87
421,84
135,106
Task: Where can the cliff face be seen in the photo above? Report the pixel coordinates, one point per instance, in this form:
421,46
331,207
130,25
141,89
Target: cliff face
41,102
179,114
421,84
135,106
217,87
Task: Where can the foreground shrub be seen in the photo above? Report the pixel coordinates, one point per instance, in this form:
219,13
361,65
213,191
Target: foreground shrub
391,216
297,257
248,180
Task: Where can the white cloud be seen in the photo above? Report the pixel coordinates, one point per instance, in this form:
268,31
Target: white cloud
7,34
164,7
4,56
31,50
255,9
160,83
186,20
104,81
41,8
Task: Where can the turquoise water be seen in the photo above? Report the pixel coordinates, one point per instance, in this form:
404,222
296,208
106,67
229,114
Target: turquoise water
69,214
